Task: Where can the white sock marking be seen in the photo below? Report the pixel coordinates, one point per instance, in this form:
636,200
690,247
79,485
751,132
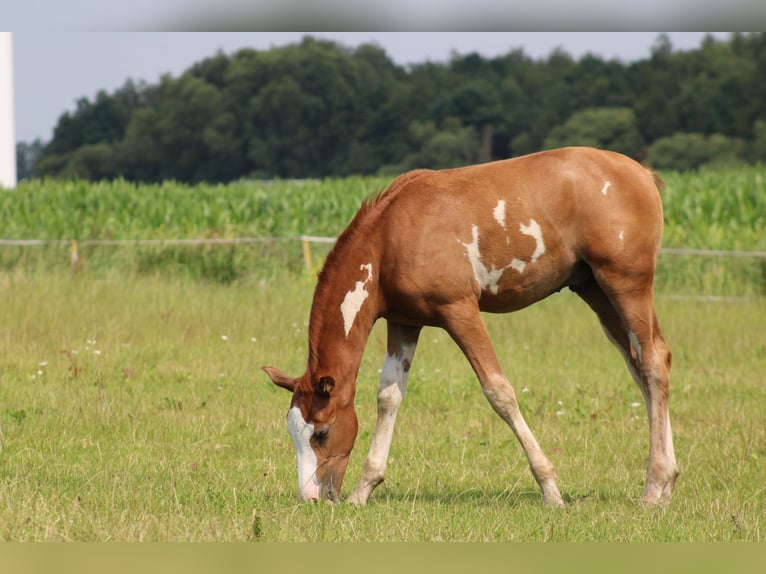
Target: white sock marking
353,300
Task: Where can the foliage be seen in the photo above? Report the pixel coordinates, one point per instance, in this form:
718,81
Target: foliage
452,145
684,151
606,128
27,155
318,109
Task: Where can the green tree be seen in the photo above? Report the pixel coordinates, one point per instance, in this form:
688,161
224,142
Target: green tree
683,151
27,156
614,129
104,120
183,133
757,151
451,145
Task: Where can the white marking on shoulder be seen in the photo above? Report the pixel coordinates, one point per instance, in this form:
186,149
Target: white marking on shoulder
353,300
301,432
622,235
499,213
607,185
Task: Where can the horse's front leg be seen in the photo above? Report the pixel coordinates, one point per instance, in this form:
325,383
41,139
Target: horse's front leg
402,341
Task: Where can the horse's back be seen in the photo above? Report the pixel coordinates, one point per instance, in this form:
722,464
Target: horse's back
510,232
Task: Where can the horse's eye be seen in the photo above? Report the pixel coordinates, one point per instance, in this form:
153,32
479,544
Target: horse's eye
321,435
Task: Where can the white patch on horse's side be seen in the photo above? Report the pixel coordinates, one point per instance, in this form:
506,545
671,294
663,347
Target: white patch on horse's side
533,230
301,432
353,300
517,264
607,185
489,278
636,345
622,235
499,213
486,278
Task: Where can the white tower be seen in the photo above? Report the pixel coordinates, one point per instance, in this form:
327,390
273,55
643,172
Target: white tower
7,130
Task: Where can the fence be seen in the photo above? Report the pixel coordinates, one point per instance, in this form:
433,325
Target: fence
74,245
307,240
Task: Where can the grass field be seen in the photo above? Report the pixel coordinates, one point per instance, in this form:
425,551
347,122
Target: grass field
132,407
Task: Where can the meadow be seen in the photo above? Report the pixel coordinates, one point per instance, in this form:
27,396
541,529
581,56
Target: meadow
132,406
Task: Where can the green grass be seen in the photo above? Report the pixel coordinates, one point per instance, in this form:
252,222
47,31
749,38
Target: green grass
132,407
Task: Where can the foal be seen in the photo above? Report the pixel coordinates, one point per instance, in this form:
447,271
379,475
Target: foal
439,247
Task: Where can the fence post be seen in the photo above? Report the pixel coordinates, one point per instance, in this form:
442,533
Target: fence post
306,253
74,256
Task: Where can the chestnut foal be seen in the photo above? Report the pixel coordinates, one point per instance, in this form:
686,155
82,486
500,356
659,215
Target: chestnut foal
439,247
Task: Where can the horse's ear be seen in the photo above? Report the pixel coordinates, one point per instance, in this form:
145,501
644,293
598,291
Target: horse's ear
279,378
325,386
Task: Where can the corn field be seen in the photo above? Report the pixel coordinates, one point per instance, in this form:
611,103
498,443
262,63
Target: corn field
722,209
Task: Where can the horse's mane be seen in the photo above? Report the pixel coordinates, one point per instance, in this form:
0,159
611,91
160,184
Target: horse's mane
371,206
355,232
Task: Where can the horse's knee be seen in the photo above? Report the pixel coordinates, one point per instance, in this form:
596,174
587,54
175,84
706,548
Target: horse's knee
502,397
390,396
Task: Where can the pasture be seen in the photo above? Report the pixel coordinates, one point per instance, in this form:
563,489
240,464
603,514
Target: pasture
133,408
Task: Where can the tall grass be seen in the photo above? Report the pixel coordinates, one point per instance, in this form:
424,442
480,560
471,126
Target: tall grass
714,209
50,209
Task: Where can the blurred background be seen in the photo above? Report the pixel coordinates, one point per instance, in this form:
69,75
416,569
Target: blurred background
219,106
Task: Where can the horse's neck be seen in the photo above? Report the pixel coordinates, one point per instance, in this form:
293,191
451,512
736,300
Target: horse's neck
343,313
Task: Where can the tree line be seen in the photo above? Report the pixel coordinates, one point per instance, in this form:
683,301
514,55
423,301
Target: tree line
317,108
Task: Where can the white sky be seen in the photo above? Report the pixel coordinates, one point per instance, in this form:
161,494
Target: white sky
53,69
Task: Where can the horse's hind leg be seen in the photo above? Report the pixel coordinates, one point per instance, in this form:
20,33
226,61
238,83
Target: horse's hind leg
464,323
630,322
402,341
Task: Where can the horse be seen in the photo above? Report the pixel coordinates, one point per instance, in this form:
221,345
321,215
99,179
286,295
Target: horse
439,247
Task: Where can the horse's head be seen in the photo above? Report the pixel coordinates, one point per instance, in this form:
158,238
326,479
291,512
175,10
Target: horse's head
323,425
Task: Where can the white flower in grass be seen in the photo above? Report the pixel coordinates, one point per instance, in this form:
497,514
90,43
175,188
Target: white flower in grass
224,337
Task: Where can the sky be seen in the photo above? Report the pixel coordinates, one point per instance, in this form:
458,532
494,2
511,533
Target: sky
53,69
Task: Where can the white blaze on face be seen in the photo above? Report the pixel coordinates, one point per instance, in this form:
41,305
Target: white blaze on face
499,213
301,432
488,278
353,300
